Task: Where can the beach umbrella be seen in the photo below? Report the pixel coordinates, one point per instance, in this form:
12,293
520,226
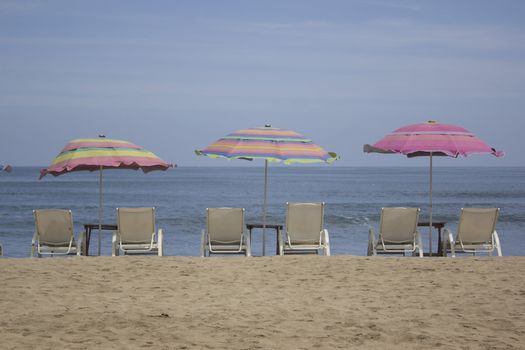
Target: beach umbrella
431,139
7,168
99,154
271,145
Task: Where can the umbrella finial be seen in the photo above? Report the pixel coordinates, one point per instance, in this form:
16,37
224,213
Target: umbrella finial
102,136
431,122
267,125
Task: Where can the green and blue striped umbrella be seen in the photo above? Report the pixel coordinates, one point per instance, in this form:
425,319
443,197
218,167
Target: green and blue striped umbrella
269,144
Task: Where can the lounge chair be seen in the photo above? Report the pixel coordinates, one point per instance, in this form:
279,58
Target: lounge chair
136,233
397,233
476,233
54,233
225,233
304,231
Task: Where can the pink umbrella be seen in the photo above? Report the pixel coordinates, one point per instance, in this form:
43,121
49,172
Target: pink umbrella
431,139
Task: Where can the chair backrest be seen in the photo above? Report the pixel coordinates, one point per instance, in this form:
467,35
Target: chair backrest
136,225
225,225
54,226
398,225
304,222
476,225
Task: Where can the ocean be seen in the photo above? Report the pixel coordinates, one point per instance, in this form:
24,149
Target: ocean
354,197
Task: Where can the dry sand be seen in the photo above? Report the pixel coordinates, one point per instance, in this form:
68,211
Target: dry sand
297,302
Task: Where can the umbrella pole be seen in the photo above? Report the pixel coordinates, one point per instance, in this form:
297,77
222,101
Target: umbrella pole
100,212
264,206
430,210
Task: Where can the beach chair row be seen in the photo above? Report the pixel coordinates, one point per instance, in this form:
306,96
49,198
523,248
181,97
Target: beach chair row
304,232
398,233
134,234
224,233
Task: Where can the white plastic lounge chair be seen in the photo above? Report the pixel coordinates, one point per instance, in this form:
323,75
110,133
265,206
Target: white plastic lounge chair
397,233
136,232
54,233
304,231
476,233
224,233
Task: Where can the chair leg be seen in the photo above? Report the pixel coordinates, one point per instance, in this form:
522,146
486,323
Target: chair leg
371,251
160,238
81,244
326,243
450,239
203,243
419,244
444,246
248,246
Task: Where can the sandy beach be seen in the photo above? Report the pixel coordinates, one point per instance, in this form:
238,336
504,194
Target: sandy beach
300,302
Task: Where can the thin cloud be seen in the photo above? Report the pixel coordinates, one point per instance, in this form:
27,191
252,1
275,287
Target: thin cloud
7,6
413,6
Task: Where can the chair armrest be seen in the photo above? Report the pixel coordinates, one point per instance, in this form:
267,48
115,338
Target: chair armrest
114,248
34,242
160,242
419,242
497,243
281,242
448,237
248,244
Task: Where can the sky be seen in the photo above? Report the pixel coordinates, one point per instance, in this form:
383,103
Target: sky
174,76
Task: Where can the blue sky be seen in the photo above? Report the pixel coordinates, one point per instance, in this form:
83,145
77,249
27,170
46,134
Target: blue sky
173,76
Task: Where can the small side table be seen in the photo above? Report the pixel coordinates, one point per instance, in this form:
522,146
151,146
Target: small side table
437,225
89,227
277,229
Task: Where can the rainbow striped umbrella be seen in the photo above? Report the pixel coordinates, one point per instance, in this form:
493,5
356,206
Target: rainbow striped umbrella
270,144
431,139
101,153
